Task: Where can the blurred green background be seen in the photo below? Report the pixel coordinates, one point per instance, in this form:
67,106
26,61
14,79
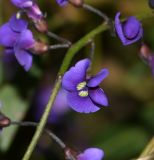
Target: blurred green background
124,128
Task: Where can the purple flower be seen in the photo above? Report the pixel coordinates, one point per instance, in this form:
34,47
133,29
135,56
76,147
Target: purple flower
62,2
83,93
17,40
59,108
91,154
30,7
129,31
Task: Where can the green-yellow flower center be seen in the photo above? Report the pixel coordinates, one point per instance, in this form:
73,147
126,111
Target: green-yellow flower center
83,93
81,87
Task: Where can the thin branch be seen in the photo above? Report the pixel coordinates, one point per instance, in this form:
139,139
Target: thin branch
96,11
58,46
48,131
58,38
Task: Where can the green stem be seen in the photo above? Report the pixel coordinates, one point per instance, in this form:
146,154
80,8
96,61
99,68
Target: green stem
148,152
67,60
78,45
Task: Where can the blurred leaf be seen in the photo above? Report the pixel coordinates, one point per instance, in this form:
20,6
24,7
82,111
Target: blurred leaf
13,107
147,114
124,144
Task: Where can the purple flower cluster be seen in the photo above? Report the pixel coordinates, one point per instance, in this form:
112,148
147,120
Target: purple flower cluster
91,154
17,39
129,31
83,93
30,7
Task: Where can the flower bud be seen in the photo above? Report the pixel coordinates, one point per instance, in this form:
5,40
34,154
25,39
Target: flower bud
39,47
70,154
4,121
145,52
129,31
41,25
77,3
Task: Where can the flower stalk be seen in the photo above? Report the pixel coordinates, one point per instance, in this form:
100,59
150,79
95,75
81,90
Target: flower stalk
67,60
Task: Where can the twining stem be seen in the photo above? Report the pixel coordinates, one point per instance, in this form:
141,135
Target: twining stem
67,60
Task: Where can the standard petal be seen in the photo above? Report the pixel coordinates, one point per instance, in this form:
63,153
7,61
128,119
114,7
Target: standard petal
98,96
131,27
8,37
98,78
26,40
91,154
24,58
34,12
17,25
81,104
22,3
138,37
75,75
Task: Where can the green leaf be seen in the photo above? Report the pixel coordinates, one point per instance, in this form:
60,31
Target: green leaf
14,108
124,143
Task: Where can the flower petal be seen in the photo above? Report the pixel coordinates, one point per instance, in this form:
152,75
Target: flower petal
91,154
24,58
25,41
17,25
22,3
98,78
98,96
75,75
9,37
9,51
34,12
131,27
62,2
81,104
120,29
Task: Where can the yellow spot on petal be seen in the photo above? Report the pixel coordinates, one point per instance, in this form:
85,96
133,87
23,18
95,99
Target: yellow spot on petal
81,85
18,15
83,93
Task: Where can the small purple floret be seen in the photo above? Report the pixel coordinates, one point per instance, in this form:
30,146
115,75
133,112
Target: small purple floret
17,40
91,154
129,31
62,2
30,7
59,108
84,94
